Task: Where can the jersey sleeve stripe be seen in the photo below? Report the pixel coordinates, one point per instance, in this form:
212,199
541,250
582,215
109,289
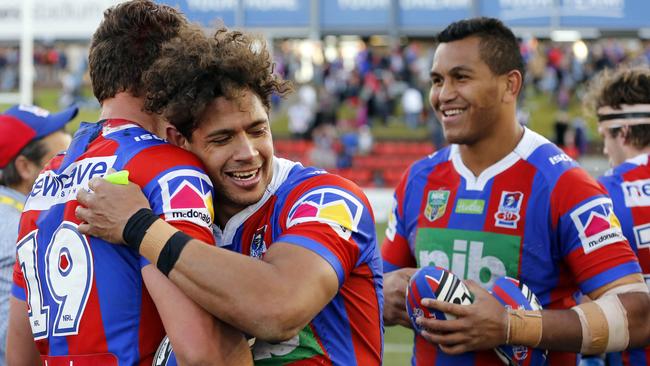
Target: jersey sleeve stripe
608,276
389,267
18,292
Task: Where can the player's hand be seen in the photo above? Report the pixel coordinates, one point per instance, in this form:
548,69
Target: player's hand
479,326
395,284
107,208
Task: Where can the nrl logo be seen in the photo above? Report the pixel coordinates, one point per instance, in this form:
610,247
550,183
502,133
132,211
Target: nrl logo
436,204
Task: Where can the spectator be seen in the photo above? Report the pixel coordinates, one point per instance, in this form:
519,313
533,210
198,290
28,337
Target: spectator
29,138
412,106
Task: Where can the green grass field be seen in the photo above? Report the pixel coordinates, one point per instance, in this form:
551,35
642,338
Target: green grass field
398,341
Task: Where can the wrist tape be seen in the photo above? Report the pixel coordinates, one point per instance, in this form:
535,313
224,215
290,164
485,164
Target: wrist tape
524,327
155,239
136,228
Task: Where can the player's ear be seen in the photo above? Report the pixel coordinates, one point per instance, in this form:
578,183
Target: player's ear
625,134
175,137
514,82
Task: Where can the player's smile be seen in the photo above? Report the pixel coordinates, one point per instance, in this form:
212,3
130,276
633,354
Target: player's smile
245,178
452,114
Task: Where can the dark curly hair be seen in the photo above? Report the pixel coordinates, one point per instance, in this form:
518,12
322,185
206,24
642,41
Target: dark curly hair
623,86
127,42
194,70
499,48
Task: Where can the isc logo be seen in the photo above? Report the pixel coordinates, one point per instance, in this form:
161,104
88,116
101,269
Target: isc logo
147,136
467,261
559,158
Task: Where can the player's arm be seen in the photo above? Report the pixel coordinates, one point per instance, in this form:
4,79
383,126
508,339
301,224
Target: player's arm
615,320
395,284
21,349
271,299
210,341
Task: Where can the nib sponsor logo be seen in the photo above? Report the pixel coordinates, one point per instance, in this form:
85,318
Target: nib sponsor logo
187,195
332,206
596,224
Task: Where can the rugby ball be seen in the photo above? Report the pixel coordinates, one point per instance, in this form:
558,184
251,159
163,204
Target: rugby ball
434,283
514,294
165,354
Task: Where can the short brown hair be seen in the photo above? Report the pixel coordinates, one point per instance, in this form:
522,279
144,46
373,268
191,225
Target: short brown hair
498,46
194,70
127,42
623,86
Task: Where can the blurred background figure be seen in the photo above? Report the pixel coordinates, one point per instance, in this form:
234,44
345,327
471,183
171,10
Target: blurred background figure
29,137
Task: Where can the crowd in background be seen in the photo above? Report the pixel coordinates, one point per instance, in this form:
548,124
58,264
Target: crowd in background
390,86
383,86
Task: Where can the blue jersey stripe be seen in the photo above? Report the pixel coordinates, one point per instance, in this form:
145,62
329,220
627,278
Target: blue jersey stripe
609,275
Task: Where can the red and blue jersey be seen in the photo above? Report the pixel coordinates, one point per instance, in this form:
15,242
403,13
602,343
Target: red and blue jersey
629,186
535,216
87,302
332,217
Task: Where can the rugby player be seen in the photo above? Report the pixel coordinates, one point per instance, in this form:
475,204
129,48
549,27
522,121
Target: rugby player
77,299
503,200
621,100
297,265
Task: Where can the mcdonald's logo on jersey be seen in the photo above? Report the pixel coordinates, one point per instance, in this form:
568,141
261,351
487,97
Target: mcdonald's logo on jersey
187,196
596,224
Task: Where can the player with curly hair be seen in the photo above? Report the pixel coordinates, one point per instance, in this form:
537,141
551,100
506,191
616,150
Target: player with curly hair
308,285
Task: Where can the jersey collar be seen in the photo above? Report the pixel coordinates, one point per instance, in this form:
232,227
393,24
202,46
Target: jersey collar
528,143
281,169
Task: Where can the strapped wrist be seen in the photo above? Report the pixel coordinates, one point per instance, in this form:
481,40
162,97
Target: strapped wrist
524,327
136,227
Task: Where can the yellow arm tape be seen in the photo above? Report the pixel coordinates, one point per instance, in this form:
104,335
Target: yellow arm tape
121,177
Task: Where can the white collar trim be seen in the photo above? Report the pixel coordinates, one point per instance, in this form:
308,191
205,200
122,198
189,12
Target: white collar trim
529,142
641,159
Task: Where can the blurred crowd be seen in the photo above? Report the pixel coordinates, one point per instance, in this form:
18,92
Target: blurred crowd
377,86
56,65
385,86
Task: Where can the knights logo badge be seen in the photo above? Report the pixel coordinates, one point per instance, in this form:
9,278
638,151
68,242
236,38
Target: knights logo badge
507,215
258,246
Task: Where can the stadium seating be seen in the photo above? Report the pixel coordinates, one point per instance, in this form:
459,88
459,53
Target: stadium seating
383,167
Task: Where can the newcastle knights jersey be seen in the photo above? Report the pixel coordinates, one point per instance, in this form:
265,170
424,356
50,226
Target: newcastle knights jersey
535,216
87,302
629,186
330,216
